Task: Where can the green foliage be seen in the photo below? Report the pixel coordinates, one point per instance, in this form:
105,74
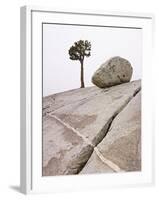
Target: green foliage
79,50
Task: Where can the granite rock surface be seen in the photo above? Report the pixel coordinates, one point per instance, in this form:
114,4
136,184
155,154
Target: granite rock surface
92,130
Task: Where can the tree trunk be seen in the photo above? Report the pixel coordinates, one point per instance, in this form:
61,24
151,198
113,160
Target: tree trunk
82,75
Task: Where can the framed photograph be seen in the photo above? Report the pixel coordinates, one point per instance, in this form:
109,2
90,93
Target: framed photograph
86,103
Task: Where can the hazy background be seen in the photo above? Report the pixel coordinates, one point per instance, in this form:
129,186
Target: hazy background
62,74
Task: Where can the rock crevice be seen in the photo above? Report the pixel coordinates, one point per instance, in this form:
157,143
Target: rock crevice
122,144
109,163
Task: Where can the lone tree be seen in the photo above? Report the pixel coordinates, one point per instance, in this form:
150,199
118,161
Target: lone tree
79,51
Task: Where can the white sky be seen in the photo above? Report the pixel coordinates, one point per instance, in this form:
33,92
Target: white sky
62,74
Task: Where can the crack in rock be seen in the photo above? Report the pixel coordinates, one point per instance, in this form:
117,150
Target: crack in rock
109,163
113,166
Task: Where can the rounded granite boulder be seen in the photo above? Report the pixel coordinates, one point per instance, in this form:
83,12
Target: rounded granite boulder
115,71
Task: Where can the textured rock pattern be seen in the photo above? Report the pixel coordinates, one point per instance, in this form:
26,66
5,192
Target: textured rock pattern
115,71
75,125
122,145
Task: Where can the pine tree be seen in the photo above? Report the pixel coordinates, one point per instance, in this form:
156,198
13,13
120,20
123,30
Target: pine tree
79,51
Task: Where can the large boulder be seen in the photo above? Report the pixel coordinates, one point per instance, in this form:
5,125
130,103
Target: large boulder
115,71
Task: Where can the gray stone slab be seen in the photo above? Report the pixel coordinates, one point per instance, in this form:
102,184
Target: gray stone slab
64,152
73,121
76,96
91,116
122,144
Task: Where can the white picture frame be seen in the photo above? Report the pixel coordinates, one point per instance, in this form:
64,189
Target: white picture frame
31,105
